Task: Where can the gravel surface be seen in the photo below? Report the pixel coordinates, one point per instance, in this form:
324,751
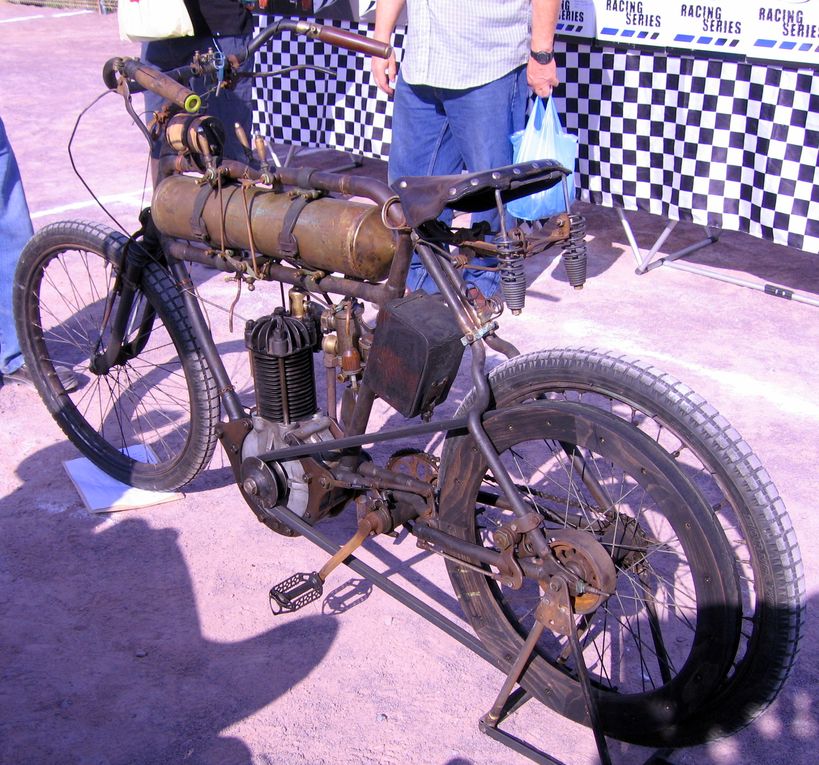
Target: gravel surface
145,636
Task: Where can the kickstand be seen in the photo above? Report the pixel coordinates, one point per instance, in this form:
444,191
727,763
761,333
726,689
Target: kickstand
555,612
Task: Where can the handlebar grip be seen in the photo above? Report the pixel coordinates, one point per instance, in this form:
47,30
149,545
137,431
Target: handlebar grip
352,41
158,82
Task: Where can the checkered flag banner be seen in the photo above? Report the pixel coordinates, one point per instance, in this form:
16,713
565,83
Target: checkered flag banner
344,111
718,142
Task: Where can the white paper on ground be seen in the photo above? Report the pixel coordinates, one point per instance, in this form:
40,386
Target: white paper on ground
104,494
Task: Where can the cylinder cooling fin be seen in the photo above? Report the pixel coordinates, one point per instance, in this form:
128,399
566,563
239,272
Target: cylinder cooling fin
281,351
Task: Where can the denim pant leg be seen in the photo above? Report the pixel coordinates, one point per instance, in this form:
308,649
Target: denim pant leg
15,231
482,120
422,144
438,131
234,105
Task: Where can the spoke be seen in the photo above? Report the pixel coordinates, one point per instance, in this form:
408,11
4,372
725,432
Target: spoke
638,640
656,634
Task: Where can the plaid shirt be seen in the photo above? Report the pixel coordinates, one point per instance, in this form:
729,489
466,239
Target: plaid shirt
464,43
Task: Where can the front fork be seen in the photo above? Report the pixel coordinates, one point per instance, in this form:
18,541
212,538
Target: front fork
119,314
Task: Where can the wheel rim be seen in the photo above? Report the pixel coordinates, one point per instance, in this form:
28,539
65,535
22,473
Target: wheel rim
679,446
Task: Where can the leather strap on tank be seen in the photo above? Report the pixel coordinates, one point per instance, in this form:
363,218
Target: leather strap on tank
288,245
197,219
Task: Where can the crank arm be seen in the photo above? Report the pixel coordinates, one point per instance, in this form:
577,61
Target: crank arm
300,589
384,583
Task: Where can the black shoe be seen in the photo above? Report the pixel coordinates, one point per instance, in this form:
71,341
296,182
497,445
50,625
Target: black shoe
22,376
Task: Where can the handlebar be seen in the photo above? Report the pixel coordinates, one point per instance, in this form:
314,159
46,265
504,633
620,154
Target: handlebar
149,78
327,34
351,41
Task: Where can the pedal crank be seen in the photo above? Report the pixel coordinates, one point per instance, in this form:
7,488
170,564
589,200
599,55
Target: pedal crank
297,591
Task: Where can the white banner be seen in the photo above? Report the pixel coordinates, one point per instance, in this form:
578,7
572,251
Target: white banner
577,18
787,30
635,22
715,26
776,30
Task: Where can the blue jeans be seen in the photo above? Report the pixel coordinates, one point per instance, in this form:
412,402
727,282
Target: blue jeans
436,131
229,107
15,231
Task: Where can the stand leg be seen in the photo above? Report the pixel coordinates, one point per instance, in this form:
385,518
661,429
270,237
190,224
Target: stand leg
554,611
591,706
494,716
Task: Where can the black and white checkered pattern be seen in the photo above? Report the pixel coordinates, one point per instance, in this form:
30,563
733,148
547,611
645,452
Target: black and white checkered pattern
346,111
717,142
723,143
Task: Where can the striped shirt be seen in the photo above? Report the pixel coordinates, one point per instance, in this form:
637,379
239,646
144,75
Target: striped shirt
464,43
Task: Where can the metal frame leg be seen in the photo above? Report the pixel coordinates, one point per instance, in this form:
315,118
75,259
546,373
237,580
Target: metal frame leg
647,262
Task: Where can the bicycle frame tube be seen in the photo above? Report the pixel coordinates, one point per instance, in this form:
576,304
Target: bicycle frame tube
444,279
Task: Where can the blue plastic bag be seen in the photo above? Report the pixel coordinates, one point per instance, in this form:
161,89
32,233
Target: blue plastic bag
544,138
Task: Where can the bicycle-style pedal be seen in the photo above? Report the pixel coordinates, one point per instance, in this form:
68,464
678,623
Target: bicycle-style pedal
295,592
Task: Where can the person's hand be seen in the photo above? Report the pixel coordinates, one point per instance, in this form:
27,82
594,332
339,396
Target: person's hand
542,77
385,71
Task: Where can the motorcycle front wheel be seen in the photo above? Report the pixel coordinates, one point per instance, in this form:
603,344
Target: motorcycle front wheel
149,420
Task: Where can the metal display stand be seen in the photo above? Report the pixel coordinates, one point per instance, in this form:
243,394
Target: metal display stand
649,262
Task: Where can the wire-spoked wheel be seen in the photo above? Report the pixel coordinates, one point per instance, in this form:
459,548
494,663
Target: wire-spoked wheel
149,419
658,645
742,497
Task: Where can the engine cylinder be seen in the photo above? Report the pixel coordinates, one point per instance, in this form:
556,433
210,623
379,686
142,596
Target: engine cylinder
333,235
281,352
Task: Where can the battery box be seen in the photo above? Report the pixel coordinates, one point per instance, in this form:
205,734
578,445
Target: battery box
416,353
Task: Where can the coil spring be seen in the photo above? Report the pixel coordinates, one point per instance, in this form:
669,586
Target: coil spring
512,273
575,252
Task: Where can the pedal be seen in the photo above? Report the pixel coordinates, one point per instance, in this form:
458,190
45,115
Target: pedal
295,592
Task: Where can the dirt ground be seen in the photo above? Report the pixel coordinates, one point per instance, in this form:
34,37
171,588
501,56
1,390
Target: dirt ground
145,636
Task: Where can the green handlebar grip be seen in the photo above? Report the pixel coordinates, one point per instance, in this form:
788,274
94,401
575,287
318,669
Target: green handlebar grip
192,103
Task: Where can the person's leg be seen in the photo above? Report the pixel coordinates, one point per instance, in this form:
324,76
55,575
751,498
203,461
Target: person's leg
234,105
482,120
15,231
422,144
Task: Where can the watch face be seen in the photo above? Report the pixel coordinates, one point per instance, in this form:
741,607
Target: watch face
542,56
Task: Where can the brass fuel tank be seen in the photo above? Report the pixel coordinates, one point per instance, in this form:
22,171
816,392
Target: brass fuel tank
333,235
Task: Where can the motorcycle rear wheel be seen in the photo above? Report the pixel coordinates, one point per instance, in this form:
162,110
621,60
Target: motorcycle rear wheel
743,501
656,647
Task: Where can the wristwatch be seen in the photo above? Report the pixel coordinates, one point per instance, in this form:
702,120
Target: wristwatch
542,56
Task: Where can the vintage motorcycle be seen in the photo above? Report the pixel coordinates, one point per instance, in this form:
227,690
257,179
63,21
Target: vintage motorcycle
617,547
